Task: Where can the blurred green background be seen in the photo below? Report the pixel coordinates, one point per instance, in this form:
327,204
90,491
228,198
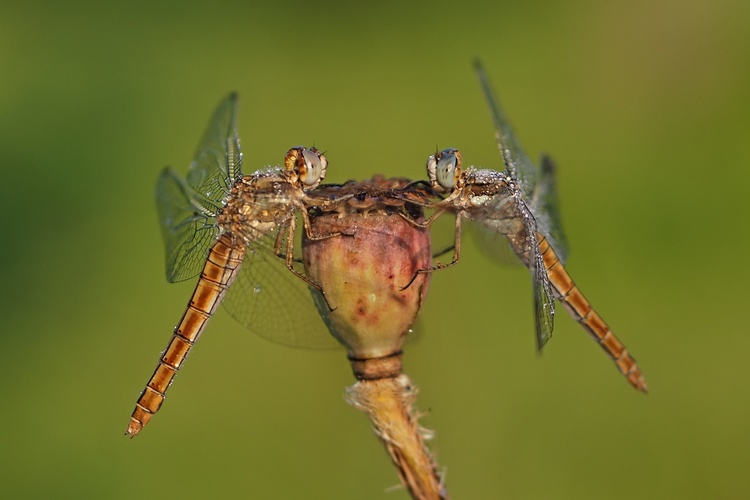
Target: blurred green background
645,106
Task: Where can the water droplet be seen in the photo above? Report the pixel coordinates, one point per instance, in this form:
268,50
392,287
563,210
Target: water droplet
257,289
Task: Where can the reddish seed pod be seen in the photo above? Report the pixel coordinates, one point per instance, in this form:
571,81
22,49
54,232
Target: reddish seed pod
363,272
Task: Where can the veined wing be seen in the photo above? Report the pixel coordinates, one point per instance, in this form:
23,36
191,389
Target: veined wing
187,226
493,245
526,245
506,213
218,161
517,163
544,300
538,186
517,224
539,193
271,302
187,208
545,207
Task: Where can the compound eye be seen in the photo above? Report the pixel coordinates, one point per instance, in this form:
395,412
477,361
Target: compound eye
314,169
443,168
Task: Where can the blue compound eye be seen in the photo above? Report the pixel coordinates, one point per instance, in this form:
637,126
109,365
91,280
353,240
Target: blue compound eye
443,168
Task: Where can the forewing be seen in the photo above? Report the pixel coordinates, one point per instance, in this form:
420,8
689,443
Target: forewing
546,209
517,163
188,228
274,303
187,208
217,164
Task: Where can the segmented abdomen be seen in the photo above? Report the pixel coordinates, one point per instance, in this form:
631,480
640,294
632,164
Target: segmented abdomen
582,311
221,267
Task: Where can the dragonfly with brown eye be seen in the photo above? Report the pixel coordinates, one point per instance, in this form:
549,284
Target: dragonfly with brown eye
238,233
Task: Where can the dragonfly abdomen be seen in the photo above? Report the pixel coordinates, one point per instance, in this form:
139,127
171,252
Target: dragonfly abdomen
224,260
582,311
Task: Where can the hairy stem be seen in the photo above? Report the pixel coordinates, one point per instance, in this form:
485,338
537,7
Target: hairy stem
389,402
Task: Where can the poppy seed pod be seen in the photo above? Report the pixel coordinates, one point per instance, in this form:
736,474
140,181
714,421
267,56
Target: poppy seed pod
364,271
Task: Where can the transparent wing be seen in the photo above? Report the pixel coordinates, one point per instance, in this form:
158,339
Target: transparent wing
538,186
187,228
546,210
187,209
539,201
517,164
507,214
217,164
272,302
544,300
493,245
526,245
497,248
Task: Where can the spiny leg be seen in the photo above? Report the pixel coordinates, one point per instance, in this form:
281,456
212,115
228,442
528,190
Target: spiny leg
278,243
289,260
456,250
424,225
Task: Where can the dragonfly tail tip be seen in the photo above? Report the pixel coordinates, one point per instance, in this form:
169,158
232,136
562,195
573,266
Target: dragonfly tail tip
133,429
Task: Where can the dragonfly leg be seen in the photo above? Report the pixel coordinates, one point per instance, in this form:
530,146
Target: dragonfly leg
440,265
278,244
289,259
424,225
325,202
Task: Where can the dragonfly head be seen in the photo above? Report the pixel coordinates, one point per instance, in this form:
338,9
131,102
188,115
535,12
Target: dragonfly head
307,166
444,169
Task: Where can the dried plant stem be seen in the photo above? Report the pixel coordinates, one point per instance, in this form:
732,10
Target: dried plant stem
389,402
363,272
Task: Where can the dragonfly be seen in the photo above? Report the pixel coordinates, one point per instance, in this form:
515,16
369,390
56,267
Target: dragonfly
520,203
237,231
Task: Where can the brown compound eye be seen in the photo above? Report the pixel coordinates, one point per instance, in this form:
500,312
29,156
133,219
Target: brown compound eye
308,166
444,168
314,169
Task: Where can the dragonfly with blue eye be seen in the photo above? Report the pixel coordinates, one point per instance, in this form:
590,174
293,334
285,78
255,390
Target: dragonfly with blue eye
238,233
520,203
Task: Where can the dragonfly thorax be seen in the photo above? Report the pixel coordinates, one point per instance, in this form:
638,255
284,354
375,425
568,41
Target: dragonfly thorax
257,204
480,186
